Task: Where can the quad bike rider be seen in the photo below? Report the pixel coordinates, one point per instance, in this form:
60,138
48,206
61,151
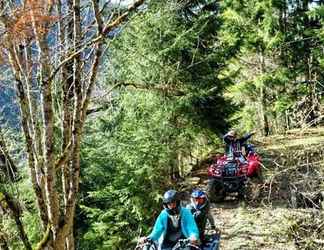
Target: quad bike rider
174,227
229,173
234,150
234,145
200,208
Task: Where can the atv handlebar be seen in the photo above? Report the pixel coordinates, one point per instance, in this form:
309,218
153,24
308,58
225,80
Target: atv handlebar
146,245
150,245
185,243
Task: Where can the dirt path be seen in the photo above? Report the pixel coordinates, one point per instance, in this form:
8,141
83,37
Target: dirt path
252,228
246,228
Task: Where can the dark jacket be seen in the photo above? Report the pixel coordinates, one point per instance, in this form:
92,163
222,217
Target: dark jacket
201,215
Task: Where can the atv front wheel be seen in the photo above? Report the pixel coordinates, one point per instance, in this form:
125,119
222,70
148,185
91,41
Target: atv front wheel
242,193
215,191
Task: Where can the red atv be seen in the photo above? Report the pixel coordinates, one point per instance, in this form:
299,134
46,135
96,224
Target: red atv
230,175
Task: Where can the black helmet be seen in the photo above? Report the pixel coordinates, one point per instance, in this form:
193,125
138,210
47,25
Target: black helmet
169,197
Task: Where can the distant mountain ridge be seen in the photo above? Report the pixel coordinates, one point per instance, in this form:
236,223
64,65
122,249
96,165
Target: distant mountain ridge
9,110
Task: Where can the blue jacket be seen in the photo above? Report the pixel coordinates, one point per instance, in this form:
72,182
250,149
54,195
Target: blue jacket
188,225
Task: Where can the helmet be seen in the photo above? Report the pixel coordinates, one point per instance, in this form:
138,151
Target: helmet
198,194
249,148
199,198
231,133
169,197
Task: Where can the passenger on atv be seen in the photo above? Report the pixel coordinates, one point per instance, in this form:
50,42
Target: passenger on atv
234,145
200,208
174,223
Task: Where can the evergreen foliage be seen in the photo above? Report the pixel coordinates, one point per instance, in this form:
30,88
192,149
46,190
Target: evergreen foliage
168,112
281,78
175,48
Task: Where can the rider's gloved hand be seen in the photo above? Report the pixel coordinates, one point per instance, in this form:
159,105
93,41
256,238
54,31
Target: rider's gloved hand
143,240
193,240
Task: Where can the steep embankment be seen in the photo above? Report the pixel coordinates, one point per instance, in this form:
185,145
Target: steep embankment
285,211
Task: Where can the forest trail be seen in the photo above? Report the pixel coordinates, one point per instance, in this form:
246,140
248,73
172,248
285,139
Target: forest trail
252,228
270,222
